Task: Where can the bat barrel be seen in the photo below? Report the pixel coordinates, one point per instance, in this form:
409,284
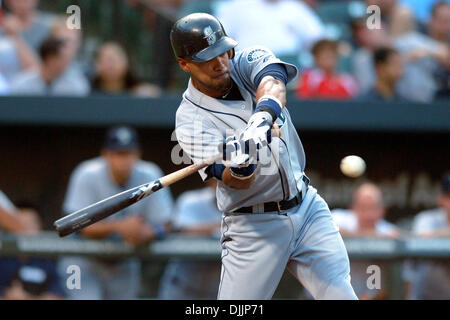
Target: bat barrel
102,209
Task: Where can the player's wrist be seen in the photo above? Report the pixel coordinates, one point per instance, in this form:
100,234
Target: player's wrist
243,173
270,104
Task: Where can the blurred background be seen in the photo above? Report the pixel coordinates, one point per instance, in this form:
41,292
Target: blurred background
376,88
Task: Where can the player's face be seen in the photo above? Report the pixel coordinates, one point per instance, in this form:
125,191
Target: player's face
121,164
211,77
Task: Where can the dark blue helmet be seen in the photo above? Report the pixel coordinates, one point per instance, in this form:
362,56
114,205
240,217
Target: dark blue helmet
200,37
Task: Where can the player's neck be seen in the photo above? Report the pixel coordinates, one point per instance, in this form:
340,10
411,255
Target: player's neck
120,180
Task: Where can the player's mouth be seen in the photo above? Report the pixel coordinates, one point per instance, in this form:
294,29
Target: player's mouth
222,75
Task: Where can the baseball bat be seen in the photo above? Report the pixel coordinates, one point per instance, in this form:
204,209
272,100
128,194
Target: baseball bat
104,208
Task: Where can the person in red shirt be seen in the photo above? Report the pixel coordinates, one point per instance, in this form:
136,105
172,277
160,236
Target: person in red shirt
323,82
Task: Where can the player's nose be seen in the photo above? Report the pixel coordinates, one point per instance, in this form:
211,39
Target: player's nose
220,63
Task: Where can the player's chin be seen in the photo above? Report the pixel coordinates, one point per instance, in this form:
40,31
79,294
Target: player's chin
222,82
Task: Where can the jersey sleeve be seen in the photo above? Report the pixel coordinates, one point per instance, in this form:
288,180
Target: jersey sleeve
198,138
79,192
249,62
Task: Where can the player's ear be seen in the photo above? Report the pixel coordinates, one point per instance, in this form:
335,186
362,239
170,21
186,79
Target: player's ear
230,53
183,64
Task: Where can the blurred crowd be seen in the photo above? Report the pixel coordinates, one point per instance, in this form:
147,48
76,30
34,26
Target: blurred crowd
344,49
119,167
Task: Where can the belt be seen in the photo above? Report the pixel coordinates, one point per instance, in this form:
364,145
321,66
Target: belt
278,206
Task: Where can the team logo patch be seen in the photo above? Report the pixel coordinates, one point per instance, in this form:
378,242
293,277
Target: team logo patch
255,55
209,35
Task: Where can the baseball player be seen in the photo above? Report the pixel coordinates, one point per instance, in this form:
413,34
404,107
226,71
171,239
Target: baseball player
272,217
118,169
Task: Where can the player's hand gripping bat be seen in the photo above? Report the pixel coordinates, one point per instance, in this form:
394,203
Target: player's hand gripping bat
104,208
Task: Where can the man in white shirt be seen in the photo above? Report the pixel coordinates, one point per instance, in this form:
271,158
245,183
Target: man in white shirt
54,76
118,169
365,219
283,26
431,279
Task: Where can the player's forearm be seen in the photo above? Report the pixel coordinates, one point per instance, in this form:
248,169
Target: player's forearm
235,183
11,222
272,87
101,229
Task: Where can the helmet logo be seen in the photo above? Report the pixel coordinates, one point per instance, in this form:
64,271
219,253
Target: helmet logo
209,35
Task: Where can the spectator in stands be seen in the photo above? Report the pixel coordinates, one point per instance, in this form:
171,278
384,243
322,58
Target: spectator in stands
421,9
284,27
119,168
15,54
438,27
33,25
427,58
73,76
29,279
16,220
431,279
195,214
365,219
389,69
365,42
114,75
47,80
394,15
24,278
323,82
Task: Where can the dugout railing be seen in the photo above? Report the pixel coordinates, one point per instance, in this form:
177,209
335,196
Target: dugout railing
394,251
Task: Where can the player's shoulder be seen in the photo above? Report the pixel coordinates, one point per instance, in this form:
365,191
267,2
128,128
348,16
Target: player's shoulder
149,169
252,54
187,111
90,168
191,116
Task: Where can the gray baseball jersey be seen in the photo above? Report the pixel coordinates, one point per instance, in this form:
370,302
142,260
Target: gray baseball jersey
202,124
91,182
257,248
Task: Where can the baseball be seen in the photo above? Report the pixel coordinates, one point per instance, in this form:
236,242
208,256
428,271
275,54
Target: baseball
353,166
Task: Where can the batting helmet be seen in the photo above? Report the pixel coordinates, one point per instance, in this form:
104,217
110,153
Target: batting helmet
200,37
